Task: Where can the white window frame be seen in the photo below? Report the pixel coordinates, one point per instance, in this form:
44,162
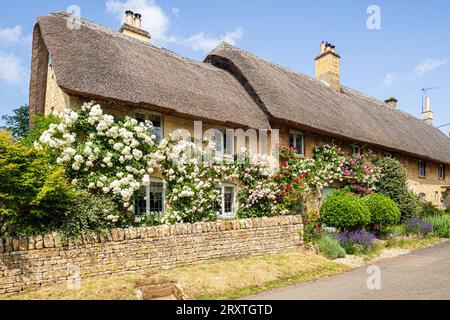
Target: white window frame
297,134
441,172
422,162
147,114
222,187
147,196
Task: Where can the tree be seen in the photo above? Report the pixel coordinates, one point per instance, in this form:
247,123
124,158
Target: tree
394,184
19,122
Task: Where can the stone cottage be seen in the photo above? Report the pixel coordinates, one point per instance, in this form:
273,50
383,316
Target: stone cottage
77,62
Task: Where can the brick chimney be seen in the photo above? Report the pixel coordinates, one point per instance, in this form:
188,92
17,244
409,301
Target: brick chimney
392,102
133,27
427,114
328,65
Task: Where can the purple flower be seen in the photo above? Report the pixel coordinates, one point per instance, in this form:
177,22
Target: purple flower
417,226
360,238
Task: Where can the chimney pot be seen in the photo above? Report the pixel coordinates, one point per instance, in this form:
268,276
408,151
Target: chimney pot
129,17
138,20
392,102
133,27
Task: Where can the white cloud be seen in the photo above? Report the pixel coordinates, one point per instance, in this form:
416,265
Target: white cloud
428,66
12,70
157,22
154,20
14,36
201,42
391,78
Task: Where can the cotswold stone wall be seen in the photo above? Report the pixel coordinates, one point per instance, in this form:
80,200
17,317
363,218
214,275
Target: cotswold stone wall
30,262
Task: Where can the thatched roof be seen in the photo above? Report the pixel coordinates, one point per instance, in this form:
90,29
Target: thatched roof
100,63
289,96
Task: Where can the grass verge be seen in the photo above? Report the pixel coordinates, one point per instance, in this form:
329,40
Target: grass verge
412,243
217,279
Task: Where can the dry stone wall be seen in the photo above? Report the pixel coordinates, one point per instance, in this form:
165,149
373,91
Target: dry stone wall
28,263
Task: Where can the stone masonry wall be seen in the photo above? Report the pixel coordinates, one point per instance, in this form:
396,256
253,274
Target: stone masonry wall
28,263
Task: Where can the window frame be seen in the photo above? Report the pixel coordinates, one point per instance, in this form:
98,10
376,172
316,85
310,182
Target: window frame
222,187
441,172
147,196
147,114
356,147
422,162
297,134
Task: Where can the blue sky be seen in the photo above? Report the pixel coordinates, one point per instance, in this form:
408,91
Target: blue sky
409,52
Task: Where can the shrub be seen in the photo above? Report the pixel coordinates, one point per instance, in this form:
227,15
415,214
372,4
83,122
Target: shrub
355,241
345,211
447,205
441,225
312,226
417,226
33,194
90,213
429,209
329,247
383,210
394,184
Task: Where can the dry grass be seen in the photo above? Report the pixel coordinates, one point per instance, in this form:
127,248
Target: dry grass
217,279
229,279
119,287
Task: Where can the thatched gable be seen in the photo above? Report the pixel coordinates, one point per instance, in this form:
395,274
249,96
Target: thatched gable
99,63
300,100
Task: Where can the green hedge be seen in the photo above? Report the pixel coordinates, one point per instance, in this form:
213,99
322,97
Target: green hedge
345,211
383,210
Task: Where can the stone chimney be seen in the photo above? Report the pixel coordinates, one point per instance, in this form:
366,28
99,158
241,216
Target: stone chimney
133,27
392,102
328,65
427,114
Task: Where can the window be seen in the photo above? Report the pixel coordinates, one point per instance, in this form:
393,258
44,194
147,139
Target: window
356,150
155,118
296,141
442,172
422,196
436,198
228,200
152,199
422,168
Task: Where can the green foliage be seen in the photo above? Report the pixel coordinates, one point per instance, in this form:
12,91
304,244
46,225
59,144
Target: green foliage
441,225
312,226
19,122
429,209
383,210
330,247
345,211
89,213
40,124
33,194
394,184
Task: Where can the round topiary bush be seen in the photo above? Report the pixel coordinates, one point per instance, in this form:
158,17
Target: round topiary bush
345,211
383,210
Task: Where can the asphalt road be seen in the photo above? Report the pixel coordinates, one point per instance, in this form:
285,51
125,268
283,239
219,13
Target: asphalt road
421,275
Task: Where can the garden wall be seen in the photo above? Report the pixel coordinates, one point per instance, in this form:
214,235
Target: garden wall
30,262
